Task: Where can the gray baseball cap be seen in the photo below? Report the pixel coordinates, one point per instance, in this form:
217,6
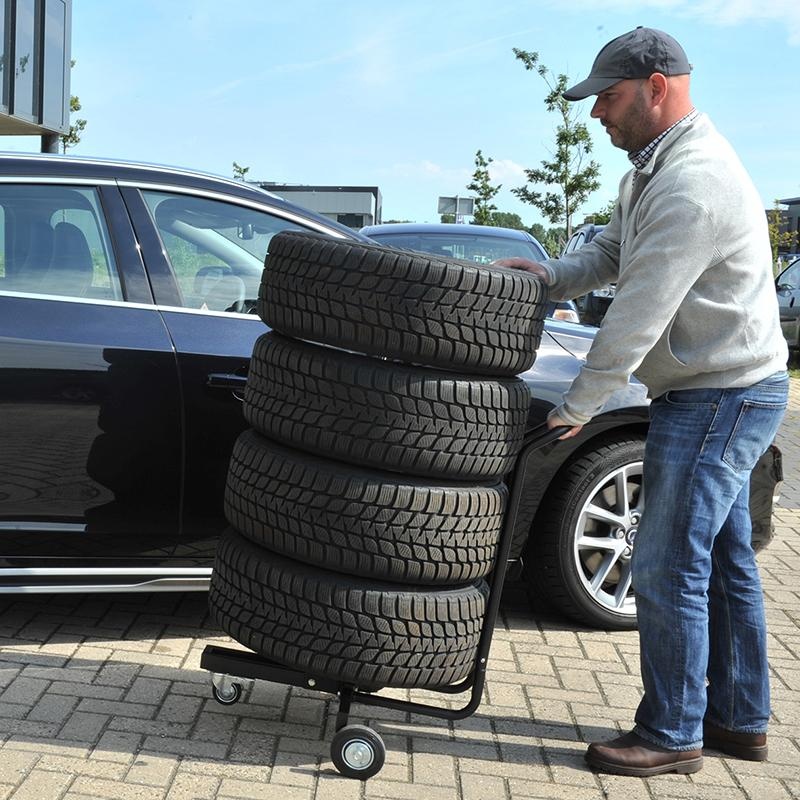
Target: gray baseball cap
636,54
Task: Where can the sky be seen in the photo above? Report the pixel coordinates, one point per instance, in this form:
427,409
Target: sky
401,95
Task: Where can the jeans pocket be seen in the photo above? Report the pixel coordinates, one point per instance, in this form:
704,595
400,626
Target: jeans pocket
692,399
752,434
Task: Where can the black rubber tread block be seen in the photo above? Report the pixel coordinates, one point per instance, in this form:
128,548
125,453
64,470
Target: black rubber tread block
366,633
362,522
383,414
402,305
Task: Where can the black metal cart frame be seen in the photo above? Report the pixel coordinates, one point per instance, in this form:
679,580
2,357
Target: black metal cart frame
358,751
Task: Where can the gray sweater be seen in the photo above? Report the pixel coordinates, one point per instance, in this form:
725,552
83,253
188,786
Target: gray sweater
688,248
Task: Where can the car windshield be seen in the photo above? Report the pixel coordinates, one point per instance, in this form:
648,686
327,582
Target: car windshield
482,248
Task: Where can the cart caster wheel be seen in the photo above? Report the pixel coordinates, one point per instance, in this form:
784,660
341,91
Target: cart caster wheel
358,752
228,694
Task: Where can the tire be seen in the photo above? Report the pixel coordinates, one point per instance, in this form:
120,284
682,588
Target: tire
401,305
385,415
362,522
561,557
368,634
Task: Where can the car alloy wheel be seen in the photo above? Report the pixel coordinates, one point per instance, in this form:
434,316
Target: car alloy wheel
604,538
579,553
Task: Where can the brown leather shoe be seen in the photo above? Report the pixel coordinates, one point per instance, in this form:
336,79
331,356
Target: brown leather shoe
749,746
632,755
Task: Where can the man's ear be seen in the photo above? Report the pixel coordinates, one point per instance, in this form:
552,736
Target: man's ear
657,88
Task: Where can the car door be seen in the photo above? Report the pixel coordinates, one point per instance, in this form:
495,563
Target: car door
205,255
788,289
90,424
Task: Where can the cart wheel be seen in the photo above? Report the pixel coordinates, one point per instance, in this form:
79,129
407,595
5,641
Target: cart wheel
358,752
227,694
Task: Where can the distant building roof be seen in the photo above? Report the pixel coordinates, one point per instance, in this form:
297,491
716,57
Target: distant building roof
790,201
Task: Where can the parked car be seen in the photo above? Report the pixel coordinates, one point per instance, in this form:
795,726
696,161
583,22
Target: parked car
480,243
787,285
126,329
592,307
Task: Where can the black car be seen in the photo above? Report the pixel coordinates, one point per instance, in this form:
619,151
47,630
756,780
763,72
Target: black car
126,328
592,307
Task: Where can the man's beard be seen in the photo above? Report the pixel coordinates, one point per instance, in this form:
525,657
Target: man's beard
633,131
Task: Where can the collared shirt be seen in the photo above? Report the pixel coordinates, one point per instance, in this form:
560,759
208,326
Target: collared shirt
641,157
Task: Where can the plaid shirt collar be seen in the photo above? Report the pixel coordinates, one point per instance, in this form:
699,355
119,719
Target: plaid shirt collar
640,158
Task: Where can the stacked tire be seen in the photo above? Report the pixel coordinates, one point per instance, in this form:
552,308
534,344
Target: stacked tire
366,500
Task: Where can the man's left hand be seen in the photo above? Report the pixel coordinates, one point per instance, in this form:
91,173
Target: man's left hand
557,422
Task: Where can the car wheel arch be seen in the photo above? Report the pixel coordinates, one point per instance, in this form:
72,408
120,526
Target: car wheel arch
544,472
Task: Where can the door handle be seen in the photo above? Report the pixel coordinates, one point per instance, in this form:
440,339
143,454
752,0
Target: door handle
227,380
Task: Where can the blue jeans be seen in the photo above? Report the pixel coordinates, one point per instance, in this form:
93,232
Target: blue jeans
699,604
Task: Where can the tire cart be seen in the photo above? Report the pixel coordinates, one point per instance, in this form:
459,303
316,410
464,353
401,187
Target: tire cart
357,751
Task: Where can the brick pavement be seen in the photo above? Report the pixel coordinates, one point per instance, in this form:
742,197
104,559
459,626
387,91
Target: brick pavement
103,697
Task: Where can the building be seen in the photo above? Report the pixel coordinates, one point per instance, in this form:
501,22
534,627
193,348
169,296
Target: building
354,206
35,59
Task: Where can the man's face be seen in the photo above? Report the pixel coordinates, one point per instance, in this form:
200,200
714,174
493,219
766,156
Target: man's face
624,112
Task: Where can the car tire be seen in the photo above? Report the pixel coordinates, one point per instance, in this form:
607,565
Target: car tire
365,523
569,548
369,634
382,414
401,305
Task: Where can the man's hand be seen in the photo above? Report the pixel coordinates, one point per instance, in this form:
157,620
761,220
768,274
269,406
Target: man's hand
516,262
556,422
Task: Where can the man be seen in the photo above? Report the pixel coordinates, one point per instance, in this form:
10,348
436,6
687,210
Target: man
695,318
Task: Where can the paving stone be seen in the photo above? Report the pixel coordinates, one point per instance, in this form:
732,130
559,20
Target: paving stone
432,769
25,691
332,786
116,790
116,746
180,747
107,770
15,766
152,769
83,727
147,690
42,784
53,708
479,786
193,787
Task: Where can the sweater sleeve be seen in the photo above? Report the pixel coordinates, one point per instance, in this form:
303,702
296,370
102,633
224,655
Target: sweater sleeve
673,246
592,266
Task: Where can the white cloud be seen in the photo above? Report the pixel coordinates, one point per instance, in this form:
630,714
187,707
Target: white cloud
506,172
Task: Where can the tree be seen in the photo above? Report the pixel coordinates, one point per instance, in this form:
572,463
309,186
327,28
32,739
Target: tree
73,135
778,238
602,217
239,171
482,213
505,219
574,179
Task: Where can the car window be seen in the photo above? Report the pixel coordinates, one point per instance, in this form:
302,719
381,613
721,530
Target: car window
216,249
483,249
790,277
55,242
